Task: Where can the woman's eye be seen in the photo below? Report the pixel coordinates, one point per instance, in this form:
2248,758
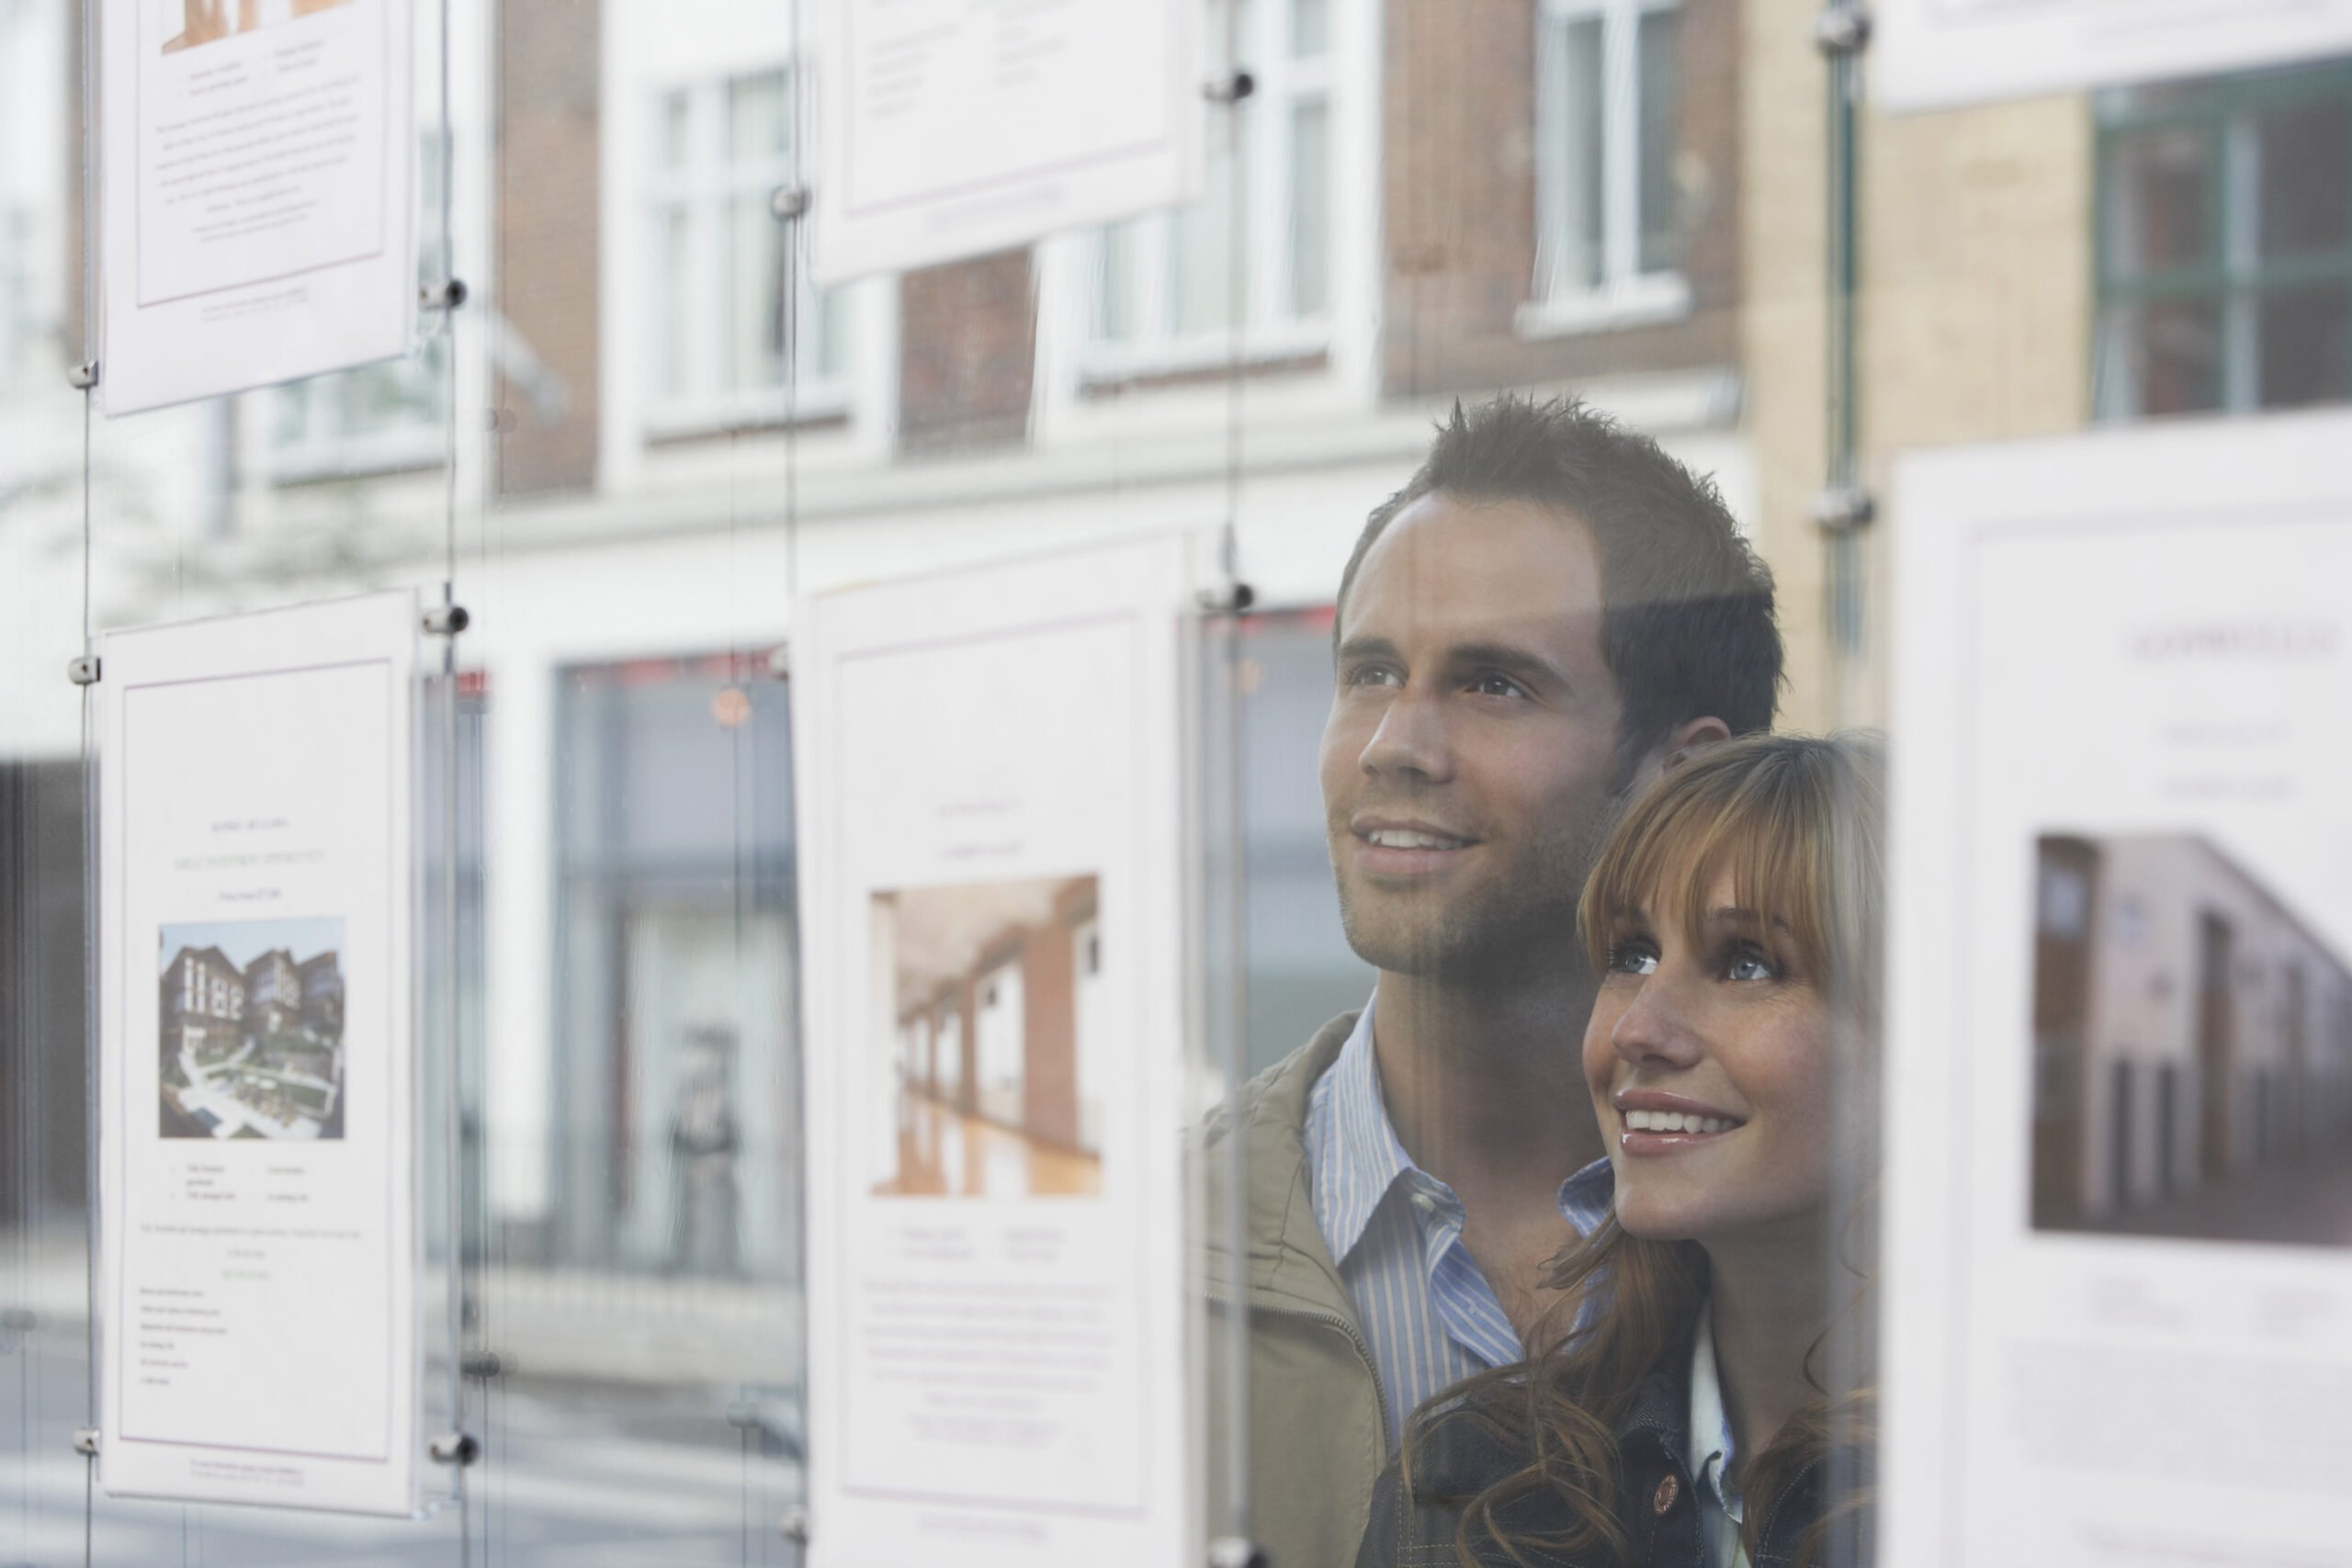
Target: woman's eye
1633,958
1750,963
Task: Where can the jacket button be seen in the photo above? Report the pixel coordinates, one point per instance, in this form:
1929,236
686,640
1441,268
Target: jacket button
1662,1500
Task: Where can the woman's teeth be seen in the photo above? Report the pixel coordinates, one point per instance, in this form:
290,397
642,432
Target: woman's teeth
1675,1121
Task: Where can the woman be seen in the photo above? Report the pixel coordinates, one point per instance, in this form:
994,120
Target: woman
1709,1404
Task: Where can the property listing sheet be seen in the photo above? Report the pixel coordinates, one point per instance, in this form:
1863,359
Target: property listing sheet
1940,53
259,210
993,881
258,1204
1088,110
2119,1258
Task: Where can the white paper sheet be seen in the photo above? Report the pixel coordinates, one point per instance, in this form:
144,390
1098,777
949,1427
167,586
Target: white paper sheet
953,131
259,193
991,768
1938,53
2118,1264
257,1186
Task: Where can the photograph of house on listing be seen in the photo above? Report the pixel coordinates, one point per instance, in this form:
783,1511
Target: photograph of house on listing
2192,1048
988,1063
252,1029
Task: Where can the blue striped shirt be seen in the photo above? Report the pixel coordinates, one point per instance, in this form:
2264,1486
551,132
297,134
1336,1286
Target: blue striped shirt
1427,1312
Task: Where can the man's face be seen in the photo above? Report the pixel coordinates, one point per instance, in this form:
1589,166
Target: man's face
1472,742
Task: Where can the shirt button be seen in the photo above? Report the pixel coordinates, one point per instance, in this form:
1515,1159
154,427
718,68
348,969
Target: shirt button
1425,1201
1662,1500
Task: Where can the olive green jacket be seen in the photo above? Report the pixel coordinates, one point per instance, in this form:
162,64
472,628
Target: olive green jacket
1316,1438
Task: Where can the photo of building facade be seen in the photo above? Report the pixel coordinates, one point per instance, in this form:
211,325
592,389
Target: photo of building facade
256,1051
992,1061
2192,1043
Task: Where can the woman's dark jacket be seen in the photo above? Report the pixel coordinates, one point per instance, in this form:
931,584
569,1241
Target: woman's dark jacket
1656,1505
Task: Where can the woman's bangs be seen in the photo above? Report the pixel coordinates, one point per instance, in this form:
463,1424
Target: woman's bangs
1671,853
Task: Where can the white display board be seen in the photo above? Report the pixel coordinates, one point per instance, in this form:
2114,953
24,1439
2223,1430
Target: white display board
259,179
991,768
2118,1297
1938,53
257,1181
949,130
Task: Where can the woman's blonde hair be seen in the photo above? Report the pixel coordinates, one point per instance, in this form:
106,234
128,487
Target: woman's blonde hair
1795,823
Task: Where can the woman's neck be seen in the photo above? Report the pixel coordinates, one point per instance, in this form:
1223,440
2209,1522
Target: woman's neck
1769,1296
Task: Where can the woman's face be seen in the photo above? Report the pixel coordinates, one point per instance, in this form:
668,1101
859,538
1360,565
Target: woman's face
1710,1069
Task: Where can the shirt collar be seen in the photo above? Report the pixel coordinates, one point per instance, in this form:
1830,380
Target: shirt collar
1708,1450
1358,1158
1586,1196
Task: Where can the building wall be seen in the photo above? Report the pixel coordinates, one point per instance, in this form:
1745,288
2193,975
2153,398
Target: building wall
1458,183
1974,316
550,107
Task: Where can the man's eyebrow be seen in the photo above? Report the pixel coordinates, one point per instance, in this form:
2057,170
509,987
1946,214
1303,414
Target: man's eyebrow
1366,648
1506,656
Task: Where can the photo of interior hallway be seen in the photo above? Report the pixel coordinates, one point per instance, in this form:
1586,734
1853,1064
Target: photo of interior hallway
986,1062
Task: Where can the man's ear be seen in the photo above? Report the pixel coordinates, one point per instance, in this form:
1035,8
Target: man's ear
1691,736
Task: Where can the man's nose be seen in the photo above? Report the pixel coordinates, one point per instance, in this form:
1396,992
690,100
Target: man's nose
1410,740
1657,1028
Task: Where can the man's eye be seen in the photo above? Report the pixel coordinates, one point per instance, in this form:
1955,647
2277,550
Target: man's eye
1498,686
1373,675
1637,957
1750,963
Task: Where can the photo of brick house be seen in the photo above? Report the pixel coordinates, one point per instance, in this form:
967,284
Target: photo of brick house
989,1063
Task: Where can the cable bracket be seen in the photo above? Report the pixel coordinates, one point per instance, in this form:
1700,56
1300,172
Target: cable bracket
1844,509
447,620
81,378
83,670
454,1447
1841,30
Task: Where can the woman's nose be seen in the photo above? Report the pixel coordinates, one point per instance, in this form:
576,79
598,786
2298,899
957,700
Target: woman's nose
1657,1027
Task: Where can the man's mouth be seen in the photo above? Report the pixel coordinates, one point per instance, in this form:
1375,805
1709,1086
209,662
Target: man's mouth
1410,839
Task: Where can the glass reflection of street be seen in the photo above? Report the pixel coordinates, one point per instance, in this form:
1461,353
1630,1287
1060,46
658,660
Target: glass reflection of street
947,1153
575,1472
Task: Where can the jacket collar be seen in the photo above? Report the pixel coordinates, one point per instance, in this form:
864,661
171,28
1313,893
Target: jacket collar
1286,1266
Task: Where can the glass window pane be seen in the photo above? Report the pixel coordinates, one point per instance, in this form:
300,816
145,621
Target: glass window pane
2306,192
677,137
755,117
675,301
1115,295
2163,357
1201,290
1310,28
1582,181
753,324
2306,344
1310,208
2161,201
1660,50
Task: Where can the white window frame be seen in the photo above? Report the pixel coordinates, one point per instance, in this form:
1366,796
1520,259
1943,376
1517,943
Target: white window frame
1273,331
1626,297
707,186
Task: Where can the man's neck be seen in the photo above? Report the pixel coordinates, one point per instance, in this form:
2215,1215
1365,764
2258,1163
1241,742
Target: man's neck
1485,1084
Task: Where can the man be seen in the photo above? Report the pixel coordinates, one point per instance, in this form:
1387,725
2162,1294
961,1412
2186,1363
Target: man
1548,615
